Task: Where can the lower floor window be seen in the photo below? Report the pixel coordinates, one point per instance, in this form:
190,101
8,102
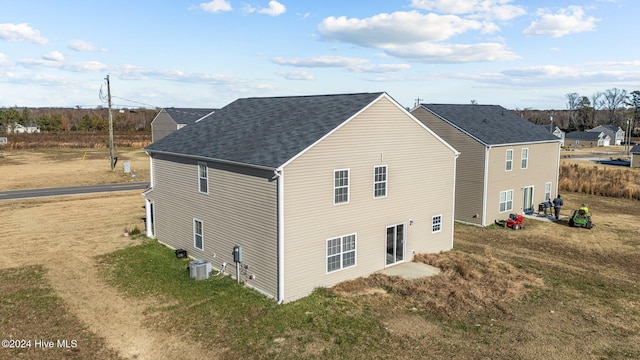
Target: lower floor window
341,252
436,223
506,200
198,238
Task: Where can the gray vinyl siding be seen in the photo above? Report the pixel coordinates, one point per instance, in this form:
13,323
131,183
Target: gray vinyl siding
635,160
420,185
240,208
469,169
543,167
162,126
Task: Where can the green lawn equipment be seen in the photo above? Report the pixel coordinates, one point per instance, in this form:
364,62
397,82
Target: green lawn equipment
581,218
515,221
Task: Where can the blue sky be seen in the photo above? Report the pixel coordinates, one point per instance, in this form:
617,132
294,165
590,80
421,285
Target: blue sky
515,53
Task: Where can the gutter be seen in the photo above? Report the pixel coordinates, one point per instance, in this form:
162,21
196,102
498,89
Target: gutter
205,158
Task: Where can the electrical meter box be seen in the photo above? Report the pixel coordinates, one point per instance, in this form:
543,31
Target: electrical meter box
237,253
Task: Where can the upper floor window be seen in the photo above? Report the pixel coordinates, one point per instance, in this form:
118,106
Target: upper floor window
524,158
341,186
198,237
203,178
509,163
341,252
380,181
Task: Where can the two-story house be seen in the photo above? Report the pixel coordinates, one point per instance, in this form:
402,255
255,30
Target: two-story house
171,119
315,189
615,133
506,164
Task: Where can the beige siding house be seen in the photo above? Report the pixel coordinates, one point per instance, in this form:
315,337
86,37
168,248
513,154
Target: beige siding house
635,156
506,163
316,190
169,120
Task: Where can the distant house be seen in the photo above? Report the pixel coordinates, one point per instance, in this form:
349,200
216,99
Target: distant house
586,139
635,156
506,164
615,133
23,129
171,119
315,189
556,131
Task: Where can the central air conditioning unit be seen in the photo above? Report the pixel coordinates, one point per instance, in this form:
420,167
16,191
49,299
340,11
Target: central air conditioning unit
199,269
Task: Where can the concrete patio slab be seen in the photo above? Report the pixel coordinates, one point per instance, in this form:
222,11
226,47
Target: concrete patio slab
411,270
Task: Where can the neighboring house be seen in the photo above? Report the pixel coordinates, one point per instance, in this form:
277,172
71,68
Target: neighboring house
615,133
635,156
506,164
23,129
556,131
316,189
586,139
171,119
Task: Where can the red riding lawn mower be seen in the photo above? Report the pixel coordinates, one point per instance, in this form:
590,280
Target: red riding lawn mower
515,221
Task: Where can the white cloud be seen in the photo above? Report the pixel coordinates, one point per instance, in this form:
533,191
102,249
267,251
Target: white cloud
452,53
4,60
54,56
275,8
216,6
21,32
320,61
398,27
295,75
82,46
566,21
486,9
351,64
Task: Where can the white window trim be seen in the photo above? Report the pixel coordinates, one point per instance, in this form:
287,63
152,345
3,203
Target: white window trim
386,181
355,251
433,218
524,159
348,186
201,234
506,202
550,186
508,161
206,166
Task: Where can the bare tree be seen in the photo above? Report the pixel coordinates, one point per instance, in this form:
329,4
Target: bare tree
573,101
613,99
596,104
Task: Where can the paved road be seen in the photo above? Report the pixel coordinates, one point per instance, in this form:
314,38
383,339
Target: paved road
72,190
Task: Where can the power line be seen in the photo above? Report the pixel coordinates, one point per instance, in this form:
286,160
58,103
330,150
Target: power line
133,101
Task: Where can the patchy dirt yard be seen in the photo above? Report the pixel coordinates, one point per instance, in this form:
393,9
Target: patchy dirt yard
63,235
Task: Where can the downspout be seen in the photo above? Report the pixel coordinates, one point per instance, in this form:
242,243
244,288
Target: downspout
453,212
279,175
558,169
486,184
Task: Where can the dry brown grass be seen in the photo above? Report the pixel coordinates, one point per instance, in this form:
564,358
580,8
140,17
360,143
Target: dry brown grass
78,140
600,180
26,169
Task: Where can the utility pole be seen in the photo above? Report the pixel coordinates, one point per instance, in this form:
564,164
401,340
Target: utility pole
111,151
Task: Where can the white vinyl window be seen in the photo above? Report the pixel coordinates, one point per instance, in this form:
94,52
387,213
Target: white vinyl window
198,235
509,162
341,186
506,200
380,181
547,191
341,252
524,158
436,223
203,178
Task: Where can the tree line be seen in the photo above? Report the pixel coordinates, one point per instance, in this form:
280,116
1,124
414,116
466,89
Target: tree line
77,119
610,107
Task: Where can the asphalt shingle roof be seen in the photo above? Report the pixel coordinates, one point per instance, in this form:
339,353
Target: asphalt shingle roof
583,135
491,124
187,116
635,149
264,132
